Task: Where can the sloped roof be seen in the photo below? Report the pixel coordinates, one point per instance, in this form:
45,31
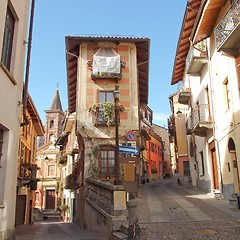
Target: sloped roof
37,123
198,23
56,103
72,48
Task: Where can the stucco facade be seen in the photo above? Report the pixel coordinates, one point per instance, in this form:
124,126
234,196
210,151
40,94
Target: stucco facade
211,73
102,120
12,77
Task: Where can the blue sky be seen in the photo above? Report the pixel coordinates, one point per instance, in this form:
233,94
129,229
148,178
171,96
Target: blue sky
159,20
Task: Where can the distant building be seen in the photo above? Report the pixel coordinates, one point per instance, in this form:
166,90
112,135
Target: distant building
27,167
48,194
166,154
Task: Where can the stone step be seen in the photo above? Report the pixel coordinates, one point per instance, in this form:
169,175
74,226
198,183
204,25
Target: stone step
124,228
119,236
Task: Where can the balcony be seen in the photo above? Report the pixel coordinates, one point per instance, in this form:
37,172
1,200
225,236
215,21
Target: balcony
227,31
196,58
27,171
201,120
184,95
188,127
171,126
71,181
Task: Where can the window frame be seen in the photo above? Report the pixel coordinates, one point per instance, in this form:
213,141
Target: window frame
202,169
8,39
110,156
103,97
227,94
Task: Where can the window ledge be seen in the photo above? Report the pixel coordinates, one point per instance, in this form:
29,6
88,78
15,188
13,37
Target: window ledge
110,76
8,74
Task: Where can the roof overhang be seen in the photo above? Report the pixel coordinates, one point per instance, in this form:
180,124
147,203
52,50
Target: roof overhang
198,23
36,120
72,52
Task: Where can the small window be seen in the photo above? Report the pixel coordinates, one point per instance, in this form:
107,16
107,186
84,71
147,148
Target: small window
152,147
201,167
51,124
106,63
51,170
227,96
107,161
1,142
105,103
8,39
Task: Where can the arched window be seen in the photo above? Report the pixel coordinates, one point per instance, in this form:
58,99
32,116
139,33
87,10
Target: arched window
52,124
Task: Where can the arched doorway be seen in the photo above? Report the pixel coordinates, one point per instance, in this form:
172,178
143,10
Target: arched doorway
234,163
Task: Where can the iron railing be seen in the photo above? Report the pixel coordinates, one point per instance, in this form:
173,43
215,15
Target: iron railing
28,171
228,23
201,113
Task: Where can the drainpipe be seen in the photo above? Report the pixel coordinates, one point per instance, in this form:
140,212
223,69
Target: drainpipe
25,92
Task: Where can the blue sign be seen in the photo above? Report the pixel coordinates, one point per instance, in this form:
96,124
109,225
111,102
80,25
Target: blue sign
129,150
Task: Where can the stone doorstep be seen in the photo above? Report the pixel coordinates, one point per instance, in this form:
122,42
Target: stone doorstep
124,228
119,236
118,222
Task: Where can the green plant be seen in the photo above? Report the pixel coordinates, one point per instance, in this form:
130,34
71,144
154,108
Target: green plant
93,167
63,207
154,170
108,112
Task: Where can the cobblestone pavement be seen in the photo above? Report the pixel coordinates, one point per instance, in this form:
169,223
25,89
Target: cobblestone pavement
54,231
169,211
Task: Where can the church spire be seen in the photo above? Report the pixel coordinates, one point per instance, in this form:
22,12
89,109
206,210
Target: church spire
56,104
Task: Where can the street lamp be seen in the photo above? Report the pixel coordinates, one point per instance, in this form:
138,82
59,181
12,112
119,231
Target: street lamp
116,94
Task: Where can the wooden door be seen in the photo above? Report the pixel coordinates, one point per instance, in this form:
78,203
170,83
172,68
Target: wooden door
214,168
50,199
20,209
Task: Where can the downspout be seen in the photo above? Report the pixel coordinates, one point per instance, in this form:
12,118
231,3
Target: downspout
25,92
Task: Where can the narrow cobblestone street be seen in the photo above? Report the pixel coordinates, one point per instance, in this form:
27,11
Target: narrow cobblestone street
54,231
165,211
169,211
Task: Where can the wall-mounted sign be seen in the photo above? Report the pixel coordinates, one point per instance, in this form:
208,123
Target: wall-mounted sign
131,136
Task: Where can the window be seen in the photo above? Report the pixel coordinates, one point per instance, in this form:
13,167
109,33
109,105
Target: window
105,97
8,39
4,135
186,168
1,142
201,169
106,63
51,170
51,124
107,161
153,148
227,96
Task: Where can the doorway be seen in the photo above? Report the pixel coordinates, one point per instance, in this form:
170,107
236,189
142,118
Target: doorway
50,199
234,163
214,166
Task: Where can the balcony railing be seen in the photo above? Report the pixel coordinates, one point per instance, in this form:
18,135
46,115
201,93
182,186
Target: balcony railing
171,126
196,58
71,181
228,30
184,95
201,119
103,113
28,171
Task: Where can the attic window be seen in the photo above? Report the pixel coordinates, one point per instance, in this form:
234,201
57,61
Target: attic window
106,64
